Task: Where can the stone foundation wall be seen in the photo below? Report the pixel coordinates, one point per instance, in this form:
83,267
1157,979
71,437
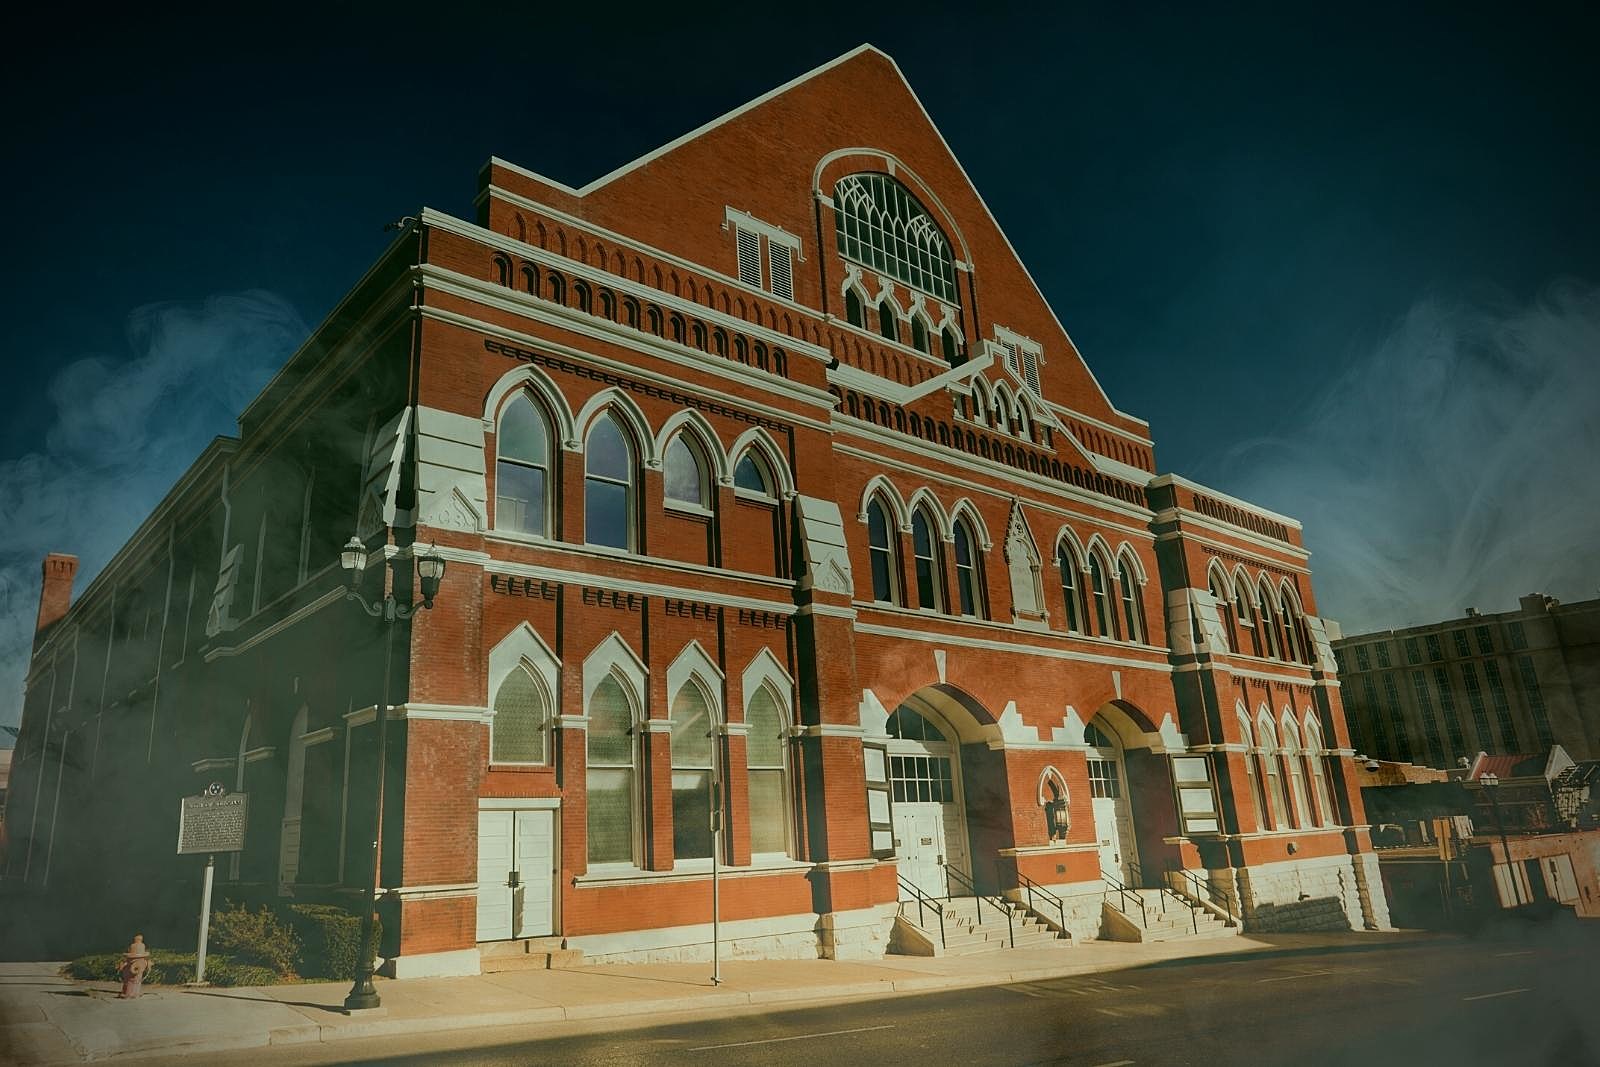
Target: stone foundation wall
1325,893
1081,902
848,935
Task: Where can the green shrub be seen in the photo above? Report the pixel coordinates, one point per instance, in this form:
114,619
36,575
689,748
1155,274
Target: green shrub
330,939
255,937
171,968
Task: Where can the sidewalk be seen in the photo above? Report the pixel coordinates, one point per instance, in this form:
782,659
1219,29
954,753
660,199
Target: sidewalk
45,1019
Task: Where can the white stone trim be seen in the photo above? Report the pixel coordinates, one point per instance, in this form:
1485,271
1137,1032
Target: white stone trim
570,577
1243,505
442,712
775,234
422,892
1013,645
455,963
515,804
627,874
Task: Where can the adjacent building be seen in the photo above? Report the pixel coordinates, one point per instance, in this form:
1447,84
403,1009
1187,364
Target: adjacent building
1518,681
768,485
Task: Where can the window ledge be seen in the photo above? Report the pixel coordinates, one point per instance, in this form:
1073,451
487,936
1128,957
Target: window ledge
687,510
688,870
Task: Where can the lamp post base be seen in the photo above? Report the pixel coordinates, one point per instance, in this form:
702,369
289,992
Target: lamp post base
362,996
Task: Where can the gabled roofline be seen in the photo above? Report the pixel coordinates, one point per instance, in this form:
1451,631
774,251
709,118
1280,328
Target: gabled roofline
729,116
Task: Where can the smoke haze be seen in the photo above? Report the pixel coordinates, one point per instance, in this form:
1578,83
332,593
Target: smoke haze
1453,466
122,432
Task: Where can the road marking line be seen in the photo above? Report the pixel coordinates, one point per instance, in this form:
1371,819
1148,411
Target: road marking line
1292,977
1115,1063
1520,952
1502,993
796,1037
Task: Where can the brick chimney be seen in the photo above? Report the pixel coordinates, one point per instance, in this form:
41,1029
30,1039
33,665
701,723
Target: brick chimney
55,596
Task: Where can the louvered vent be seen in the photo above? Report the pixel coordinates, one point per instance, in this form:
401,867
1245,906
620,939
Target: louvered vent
749,258
782,271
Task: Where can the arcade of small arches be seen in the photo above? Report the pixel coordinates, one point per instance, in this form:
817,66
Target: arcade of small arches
1292,748
998,408
617,445
1258,619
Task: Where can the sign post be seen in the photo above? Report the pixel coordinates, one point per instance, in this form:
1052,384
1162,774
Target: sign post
212,822
716,878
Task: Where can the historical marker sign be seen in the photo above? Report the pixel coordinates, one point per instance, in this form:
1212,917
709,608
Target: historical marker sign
212,823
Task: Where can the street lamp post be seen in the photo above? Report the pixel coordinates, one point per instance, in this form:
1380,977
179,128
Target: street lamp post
430,569
1491,785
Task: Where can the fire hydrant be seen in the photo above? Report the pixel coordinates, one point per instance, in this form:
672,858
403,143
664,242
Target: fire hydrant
134,966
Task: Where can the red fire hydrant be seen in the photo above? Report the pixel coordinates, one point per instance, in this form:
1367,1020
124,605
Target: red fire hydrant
134,966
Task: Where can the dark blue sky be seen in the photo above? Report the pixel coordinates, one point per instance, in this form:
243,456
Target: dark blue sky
1228,207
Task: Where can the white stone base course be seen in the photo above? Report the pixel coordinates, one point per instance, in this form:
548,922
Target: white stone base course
452,964
850,935
1080,900
1324,893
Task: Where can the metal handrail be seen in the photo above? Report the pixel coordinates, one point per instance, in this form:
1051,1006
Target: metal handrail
1205,892
1163,891
1030,887
923,900
1011,933
1123,892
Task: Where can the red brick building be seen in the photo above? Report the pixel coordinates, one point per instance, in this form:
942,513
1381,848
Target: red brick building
764,459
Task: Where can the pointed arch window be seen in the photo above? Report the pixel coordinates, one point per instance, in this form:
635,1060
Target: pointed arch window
888,320
609,781
522,469
919,334
1219,593
1241,604
881,225
693,757
1274,771
1269,623
1250,757
1132,602
750,475
925,549
969,583
684,474
880,547
1071,587
608,485
520,729
1319,779
766,751
1303,815
854,313
1105,612
952,346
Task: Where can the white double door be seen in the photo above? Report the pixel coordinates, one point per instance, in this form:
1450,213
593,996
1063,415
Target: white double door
516,873
928,836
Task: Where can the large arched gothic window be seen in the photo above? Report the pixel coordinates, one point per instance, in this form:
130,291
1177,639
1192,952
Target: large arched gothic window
693,757
880,546
522,469
1219,593
1250,770
608,485
1105,612
881,225
1270,761
684,474
1268,619
520,729
610,777
930,569
1132,603
1297,774
765,749
1319,779
969,582
1071,587
750,475
854,314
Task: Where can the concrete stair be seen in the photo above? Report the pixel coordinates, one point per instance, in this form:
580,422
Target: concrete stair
971,930
1163,919
527,954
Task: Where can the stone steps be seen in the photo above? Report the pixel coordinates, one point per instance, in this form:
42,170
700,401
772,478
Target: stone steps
970,929
527,954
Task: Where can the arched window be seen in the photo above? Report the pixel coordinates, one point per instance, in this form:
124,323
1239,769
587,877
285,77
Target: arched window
520,729
1303,815
888,320
881,225
1250,757
558,289
1219,593
609,779
853,311
1132,603
925,549
969,582
952,346
522,469
580,296
693,757
1269,622
919,334
750,475
1241,604
608,482
1071,587
1291,629
765,749
684,474
1319,780
880,546
1268,736
1105,613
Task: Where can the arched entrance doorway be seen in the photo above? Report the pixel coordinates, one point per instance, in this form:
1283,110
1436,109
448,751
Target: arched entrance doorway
930,825
1113,810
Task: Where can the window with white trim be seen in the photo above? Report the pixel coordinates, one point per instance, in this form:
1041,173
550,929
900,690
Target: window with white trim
684,475
1103,778
520,729
782,247
768,783
693,757
609,782
881,536
882,226
608,497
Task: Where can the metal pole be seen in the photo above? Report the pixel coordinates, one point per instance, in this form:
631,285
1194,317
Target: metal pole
205,921
716,868
362,994
1505,846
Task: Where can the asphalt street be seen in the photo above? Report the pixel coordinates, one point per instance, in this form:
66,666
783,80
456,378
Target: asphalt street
1526,997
